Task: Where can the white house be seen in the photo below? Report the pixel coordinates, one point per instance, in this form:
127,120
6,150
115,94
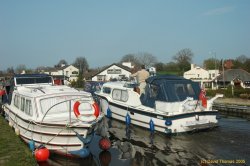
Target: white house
114,71
65,71
128,64
204,77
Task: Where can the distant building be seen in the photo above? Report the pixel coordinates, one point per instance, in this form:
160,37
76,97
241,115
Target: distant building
204,77
112,72
236,77
128,64
65,73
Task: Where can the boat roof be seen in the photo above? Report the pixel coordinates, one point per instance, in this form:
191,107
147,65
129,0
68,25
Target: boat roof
34,85
153,79
43,91
31,75
160,78
28,79
114,84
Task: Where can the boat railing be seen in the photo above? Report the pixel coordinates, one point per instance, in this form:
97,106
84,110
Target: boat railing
69,100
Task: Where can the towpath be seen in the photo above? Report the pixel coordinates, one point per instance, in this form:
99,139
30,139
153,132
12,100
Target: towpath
13,151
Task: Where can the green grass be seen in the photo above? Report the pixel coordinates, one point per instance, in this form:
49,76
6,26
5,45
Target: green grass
177,73
13,151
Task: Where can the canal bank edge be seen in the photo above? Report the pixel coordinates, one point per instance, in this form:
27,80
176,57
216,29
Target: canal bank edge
233,101
233,107
13,151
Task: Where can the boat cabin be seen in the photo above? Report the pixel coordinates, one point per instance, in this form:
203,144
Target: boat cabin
35,96
169,88
166,89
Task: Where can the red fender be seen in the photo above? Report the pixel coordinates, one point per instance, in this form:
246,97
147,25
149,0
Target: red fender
2,92
97,109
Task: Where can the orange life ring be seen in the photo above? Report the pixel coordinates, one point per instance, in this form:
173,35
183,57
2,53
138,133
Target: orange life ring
89,116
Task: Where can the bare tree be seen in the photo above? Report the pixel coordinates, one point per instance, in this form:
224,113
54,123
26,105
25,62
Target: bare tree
184,58
10,70
20,68
211,63
171,66
61,62
241,58
147,59
160,66
82,64
130,58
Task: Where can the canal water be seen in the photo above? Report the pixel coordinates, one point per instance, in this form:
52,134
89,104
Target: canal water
226,145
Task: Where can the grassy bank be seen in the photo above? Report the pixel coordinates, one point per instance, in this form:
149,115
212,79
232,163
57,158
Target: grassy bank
13,151
233,101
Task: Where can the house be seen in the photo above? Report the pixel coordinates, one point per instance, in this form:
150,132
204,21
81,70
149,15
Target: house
204,77
235,77
128,64
112,72
65,72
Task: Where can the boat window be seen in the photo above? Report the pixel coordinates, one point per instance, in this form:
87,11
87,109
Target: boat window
120,95
33,80
106,90
28,107
183,91
16,101
116,94
124,96
54,104
22,103
153,91
190,89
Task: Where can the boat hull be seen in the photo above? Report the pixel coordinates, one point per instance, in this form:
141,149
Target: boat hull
185,122
59,138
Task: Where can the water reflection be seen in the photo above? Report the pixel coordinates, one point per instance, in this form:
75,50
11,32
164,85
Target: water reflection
133,145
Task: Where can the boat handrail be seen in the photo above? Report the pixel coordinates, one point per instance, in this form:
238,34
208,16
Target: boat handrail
39,90
69,100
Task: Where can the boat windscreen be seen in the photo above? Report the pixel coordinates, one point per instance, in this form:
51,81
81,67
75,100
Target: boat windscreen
170,91
33,80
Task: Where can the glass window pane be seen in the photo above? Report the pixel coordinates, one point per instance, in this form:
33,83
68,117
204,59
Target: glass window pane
124,96
116,94
22,103
28,107
106,90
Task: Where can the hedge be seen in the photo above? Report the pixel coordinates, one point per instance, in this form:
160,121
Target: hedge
238,92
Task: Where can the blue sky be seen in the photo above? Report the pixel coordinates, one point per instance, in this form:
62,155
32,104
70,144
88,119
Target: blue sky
41,33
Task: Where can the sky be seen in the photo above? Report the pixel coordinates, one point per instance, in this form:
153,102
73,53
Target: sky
42,32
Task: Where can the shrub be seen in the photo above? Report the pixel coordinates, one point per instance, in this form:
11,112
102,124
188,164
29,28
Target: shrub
230,93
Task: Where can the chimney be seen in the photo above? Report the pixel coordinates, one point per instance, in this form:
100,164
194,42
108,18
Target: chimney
192,66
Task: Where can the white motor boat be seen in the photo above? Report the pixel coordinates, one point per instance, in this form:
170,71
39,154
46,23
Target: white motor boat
61,118
170,105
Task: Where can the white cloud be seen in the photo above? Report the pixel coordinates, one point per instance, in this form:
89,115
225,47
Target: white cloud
219,11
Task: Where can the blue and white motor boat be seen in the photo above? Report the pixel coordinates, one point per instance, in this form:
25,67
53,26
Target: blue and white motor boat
170,104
